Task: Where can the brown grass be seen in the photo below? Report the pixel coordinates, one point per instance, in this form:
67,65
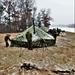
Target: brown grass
60,57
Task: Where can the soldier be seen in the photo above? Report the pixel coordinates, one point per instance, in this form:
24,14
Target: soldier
55,34
6,38
29,40
58,30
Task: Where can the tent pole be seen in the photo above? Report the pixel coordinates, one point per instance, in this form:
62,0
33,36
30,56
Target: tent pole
34,11
33,26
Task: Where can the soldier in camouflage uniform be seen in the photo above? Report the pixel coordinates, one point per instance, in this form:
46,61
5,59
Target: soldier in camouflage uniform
29,40
6,38
54,33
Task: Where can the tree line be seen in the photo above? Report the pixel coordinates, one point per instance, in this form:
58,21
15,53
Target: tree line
18,15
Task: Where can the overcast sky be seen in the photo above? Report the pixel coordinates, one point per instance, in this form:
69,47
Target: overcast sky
62,11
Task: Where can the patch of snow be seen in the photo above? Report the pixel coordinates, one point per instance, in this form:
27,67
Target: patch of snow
1,70
57,67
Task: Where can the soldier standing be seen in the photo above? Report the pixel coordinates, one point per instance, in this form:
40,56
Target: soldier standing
29,40
6,38
54,33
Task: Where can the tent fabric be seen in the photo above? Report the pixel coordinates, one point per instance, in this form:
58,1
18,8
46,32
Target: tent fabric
44,28
39,34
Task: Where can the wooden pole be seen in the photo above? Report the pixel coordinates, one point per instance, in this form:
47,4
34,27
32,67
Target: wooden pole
34,11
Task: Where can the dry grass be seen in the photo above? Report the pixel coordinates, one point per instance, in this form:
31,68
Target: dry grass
60,57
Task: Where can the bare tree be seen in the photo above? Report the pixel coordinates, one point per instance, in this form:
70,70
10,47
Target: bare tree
8,8
45,17
1,11
39,19
26,7
18,13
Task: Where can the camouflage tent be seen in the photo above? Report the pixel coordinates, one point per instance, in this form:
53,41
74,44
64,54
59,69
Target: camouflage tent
20,39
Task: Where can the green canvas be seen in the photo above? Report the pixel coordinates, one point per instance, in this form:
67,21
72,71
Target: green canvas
39,34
